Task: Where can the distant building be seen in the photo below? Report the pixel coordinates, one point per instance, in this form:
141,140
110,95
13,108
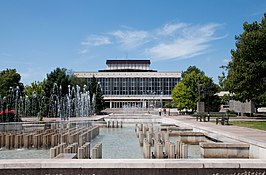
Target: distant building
247,107
132,83
242,108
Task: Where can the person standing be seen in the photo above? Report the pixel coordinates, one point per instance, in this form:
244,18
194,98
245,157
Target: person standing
164,111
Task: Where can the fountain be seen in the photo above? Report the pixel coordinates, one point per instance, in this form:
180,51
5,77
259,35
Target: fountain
67,108
72,109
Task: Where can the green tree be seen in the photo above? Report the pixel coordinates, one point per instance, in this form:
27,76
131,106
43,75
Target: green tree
36,96
10,88
222,79
95,90
56,86
9,78
35,87
75,80
191,69
59,77
186,93
212,101
183,97
92,87
247,70
99,106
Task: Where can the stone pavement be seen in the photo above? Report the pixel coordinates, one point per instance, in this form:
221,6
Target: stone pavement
249,135
133,166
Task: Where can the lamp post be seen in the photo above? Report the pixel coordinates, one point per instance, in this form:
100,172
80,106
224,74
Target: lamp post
150,94
161,100
153,95
148,101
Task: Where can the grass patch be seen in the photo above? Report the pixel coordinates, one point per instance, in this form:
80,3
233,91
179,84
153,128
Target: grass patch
250,124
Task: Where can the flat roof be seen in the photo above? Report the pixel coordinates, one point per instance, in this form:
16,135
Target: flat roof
128,74
128,62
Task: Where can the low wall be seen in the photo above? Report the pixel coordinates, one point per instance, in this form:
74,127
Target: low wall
224,150
10,126
132,167
257,148
133,118
191,137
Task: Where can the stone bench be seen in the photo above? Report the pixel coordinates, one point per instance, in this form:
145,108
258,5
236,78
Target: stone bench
203,118
192,138
224,150
222,120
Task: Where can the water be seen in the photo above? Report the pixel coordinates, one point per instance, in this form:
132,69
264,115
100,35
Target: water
193,150
24,154
119,143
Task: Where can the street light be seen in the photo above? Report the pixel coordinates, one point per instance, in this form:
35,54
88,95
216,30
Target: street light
161,100
154,93
148,101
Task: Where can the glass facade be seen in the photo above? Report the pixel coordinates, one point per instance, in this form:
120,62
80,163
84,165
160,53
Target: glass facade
137,86
132,84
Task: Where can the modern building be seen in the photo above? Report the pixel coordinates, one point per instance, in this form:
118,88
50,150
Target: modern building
132,83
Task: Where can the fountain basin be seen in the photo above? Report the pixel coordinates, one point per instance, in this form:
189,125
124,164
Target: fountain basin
224,150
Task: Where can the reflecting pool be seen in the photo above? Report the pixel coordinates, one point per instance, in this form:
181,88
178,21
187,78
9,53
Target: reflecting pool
117,143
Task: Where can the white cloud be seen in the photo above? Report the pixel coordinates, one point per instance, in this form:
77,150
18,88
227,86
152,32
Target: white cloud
96,40
131,39
180,48
208,30
191,41
171,28
171,41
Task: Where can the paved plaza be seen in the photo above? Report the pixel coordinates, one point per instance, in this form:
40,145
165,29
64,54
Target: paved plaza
152,166
235,132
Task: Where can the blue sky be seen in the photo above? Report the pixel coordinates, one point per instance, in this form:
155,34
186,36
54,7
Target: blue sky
36,36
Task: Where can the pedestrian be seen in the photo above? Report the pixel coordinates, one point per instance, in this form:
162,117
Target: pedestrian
164,111
153,156
160,111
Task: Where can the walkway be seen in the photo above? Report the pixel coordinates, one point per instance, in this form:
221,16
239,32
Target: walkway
249,135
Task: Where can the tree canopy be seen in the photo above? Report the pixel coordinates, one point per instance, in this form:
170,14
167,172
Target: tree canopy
60,94
247,71
186,93
9,78
59,77
95,90
191,69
